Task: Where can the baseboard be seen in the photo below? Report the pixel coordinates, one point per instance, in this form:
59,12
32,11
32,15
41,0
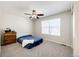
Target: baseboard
60,43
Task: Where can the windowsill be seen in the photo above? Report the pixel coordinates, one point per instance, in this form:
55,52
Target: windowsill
51,35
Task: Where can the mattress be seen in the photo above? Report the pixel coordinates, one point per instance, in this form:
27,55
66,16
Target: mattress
37,40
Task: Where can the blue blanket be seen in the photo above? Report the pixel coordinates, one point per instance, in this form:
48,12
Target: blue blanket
37,40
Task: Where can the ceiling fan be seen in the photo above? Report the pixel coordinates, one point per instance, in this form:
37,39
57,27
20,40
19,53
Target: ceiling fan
34,15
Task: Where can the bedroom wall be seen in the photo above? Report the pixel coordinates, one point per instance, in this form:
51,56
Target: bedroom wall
76,29
16,22
66,28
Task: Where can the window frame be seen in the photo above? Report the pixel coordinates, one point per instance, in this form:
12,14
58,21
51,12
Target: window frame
49,29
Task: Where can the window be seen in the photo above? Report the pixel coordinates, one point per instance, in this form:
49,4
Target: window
51,27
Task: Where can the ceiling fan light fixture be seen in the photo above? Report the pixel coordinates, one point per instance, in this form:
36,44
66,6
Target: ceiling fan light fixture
34,15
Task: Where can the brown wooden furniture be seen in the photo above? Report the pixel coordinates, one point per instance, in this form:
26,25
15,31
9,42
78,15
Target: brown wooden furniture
9,37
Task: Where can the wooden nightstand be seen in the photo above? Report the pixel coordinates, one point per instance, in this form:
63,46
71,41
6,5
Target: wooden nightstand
9,37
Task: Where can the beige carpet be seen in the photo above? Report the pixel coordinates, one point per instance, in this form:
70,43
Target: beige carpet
46,49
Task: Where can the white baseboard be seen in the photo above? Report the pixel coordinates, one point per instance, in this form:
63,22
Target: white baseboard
59,43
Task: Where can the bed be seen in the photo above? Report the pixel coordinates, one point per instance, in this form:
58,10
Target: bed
37,40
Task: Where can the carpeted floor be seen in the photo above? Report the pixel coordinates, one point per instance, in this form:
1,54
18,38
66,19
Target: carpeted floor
46,49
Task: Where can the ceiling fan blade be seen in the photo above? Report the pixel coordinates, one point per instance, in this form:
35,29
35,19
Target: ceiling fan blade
30,17
40,14
27,14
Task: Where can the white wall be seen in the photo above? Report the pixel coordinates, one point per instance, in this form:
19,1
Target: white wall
66,28
21,25
76,29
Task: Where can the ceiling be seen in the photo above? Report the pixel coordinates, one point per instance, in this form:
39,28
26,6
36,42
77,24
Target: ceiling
45,7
